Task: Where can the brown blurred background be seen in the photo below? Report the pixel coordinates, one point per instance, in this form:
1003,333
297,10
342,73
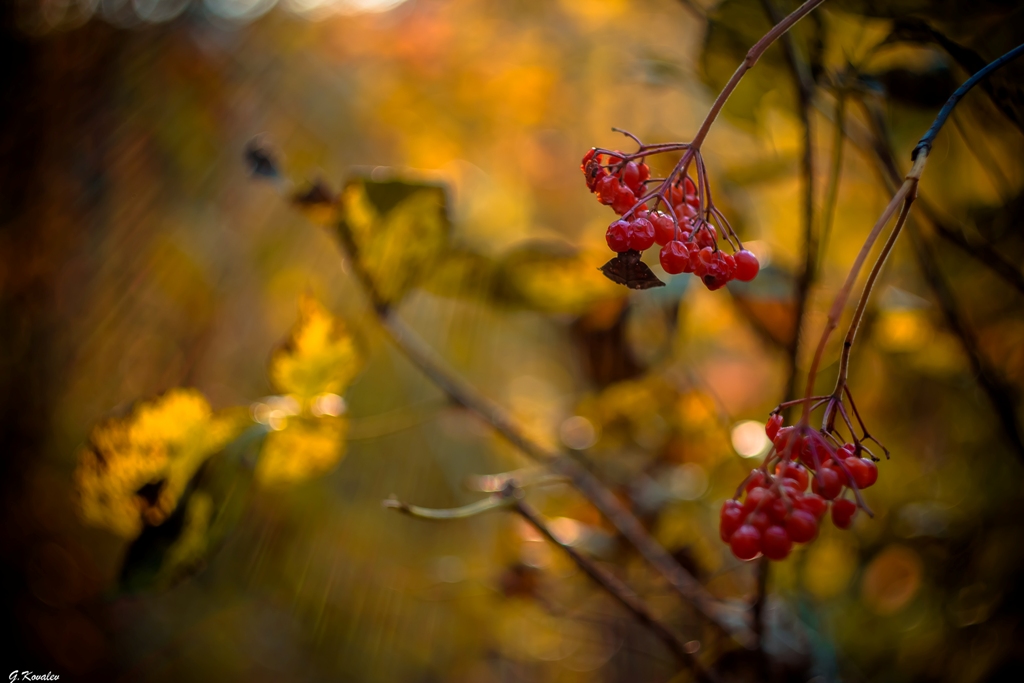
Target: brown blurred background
137,255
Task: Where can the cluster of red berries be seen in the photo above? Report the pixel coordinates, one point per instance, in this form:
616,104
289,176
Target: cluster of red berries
689,244
777,510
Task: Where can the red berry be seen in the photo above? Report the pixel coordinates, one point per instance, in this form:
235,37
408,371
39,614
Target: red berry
757,479
838,469
777,510
754,498
684,212
594,174
714,279
642,236
675,258
795,472
587,158
843,511
791,488
700,269
618,236
746,266
664,228
759,520
645,171
814,452
775,543
624,200
781,440
774,424
691,189
607,189
801,526
731,518
705,235
631,176
729,263
845,451
812,503
863,471
830,486
746,542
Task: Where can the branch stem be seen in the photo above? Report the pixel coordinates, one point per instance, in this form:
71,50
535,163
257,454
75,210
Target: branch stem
618,590
908,187
925,144
858,315
495,502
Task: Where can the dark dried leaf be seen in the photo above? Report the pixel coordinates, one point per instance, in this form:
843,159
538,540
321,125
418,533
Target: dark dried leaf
627,269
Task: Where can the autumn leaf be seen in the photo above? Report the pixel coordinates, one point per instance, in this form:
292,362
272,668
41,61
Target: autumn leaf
395,229
134,469
305,447
314,367
319,357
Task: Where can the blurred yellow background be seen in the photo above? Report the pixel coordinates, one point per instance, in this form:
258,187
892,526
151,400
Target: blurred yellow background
138,256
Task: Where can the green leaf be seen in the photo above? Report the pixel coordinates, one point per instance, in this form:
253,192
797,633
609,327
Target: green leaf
396,230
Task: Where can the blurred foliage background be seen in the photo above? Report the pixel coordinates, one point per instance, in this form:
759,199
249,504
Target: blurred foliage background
138,256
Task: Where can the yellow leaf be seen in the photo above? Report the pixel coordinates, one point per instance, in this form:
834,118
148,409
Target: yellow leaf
305,447
320,357
134,469
396,230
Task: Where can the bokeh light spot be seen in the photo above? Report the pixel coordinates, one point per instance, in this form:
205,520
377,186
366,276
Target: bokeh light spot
749,439
577,433
891,580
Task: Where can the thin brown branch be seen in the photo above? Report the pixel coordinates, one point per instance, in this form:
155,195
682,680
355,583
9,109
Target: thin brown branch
618,590
495,502
869,285
908,187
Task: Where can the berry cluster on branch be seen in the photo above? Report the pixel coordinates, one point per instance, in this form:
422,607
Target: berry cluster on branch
675,212
777,510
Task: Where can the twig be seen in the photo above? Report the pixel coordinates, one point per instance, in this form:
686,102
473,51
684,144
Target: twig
619,590
908,187
495,502
858,316
748,62
526,477
925,144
